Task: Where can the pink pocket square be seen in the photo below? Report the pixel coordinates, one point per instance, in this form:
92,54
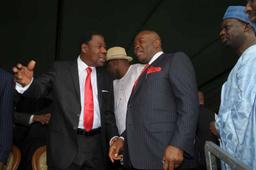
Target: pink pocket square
153,69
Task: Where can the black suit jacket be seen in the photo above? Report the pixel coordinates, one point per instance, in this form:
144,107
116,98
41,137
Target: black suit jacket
162,110
62,80
6,114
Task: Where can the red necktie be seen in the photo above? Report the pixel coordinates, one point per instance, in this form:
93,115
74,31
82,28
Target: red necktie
136,81
88,102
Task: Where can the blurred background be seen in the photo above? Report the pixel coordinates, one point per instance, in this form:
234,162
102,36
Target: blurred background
50,30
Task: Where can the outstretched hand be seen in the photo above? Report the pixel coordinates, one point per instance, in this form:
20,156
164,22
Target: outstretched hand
24,74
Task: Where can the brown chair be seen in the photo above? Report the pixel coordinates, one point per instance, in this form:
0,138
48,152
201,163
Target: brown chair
39,159
14,158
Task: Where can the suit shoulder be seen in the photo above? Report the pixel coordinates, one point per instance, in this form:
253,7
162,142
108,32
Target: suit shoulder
180,57
5,75
176,57
63,64
180,54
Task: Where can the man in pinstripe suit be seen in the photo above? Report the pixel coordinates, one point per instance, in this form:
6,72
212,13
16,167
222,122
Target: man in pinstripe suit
6,113
162,111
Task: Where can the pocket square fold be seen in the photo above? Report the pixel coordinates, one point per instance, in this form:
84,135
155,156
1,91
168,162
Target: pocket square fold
153,69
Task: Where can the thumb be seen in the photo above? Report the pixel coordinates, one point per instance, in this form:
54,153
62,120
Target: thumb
31,65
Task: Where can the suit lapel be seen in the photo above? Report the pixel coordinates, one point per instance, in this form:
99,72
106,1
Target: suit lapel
99,85
75,78
144,76
140,81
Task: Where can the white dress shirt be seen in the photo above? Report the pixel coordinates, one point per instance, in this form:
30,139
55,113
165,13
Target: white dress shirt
155,57
82,74
122,92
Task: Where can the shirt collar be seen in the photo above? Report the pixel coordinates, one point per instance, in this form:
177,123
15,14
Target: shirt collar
155,57
82,65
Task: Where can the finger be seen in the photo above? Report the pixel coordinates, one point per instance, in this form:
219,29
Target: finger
19,66
14,69
165,165
118,157
111,153
31,65
170,165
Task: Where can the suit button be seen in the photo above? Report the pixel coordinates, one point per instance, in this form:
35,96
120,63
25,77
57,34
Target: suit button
74,128
77,115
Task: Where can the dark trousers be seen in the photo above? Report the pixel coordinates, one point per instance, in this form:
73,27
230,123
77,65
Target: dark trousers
90,154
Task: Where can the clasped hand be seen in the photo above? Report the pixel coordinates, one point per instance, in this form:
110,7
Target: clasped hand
115,149
172,158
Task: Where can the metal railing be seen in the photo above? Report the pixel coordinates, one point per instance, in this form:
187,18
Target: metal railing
212,151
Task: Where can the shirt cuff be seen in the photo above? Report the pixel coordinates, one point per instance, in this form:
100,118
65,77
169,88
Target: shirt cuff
20,89
113,139
31,119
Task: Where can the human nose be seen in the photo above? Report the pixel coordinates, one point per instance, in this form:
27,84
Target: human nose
103,50
222,32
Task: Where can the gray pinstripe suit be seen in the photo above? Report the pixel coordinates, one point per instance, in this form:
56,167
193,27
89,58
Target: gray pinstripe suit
6,114
162,110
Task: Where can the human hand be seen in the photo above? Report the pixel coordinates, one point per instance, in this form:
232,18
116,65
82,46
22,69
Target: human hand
115,148
172,158
213,128
24,74
43,118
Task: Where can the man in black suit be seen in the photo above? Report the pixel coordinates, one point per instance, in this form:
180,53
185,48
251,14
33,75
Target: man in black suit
30,131
162,110
203,132
76,142
6,114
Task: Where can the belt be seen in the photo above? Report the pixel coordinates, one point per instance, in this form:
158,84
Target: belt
90,133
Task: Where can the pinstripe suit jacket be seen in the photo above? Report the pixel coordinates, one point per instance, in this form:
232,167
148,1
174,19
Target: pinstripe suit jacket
6,114
162,110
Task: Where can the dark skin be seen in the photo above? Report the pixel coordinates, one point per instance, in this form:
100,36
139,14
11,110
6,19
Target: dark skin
146,45
118,67
43,118
237,35
92,53
250,8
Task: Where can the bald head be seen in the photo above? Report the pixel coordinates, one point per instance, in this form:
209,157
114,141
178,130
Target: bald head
146,45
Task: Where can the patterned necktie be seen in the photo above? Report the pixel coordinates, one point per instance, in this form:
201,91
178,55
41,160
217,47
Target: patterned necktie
136,81
88,102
